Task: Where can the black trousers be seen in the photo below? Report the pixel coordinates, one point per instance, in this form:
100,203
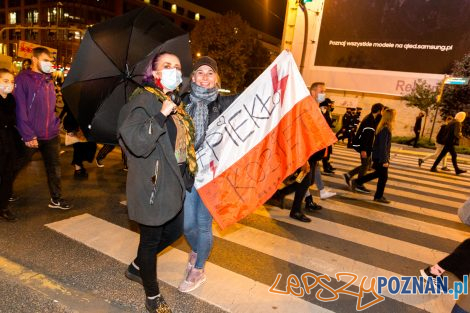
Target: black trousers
458,262
300,189
451,150
83,151
7,177
362,169
106,149
415,139
154,239
326,160
50,151
381,173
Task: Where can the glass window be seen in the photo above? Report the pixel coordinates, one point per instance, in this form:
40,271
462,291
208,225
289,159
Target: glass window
32,17
166,5
14,3
12,17
180,10
191,14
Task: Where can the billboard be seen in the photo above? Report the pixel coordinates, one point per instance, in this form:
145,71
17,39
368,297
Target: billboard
383,46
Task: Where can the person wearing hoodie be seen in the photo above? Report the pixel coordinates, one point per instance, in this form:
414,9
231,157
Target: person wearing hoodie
37,122
453,138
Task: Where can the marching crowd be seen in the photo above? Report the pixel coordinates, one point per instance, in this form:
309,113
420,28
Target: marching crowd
159,139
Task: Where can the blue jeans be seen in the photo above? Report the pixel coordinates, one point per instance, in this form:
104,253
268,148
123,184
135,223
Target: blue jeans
318,180
197,227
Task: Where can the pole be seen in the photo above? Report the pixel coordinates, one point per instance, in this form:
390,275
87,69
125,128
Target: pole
438,102
304,47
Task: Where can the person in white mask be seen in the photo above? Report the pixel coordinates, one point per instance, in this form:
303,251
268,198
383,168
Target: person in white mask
9,143
157,138
37,122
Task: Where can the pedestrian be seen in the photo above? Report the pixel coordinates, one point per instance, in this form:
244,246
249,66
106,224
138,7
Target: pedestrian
453,138
363,142
26,64
326,107
10,142
37,122
156,136
417,130
345,125
380,157
204,104
352,125
457,263
440,142
318,93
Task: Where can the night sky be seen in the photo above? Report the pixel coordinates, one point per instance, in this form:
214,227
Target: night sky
265,15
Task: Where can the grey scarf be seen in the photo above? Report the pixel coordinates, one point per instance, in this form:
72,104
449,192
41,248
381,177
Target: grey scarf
199,99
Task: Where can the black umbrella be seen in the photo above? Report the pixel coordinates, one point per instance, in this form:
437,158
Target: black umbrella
111,62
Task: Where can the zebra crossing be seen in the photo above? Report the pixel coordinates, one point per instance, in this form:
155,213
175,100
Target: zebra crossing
351,234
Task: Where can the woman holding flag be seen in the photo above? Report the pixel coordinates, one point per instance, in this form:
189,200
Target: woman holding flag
204,104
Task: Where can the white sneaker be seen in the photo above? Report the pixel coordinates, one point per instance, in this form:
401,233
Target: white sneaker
325,194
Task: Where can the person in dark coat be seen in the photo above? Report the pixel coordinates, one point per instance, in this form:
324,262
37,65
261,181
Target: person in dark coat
345,125
363,142
380,156
417,130
157,137
10,143
326,107
204,104
453,138
441,139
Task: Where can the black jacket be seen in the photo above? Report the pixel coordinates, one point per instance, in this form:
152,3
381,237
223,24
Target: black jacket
454,133
364,138
443,134
382,146
417,127
10,140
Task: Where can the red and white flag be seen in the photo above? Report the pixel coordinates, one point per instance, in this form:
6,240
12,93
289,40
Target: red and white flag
268,132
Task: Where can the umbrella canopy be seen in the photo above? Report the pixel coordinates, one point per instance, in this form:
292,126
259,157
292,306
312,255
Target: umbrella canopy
111,62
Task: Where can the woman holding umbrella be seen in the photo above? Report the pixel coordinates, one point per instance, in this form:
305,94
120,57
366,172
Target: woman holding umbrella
204,104
157,138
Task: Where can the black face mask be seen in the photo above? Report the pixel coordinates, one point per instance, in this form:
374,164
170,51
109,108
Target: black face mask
332,109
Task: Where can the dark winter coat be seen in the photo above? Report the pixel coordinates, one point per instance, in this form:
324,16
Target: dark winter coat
216,107
155,187
382,146
442,135
417,127
364,138
455,132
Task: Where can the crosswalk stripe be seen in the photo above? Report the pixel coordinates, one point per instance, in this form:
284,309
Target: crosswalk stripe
395,188
397,205
405,166
394,220
221,289
383,243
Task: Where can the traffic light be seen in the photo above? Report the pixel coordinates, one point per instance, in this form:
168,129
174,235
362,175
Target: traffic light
305,1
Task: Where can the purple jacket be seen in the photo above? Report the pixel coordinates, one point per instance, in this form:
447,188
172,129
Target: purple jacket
35,106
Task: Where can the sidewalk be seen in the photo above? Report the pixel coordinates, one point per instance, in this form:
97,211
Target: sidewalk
419,152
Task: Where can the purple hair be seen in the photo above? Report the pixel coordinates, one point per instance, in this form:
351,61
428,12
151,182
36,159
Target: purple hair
148,76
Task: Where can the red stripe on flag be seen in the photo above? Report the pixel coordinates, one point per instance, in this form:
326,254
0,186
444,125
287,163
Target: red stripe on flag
252,180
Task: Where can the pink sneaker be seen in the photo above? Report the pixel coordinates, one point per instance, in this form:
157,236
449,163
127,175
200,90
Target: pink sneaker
194,279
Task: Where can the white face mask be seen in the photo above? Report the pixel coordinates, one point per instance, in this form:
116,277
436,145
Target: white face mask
171,78
6,88
321,97
46,67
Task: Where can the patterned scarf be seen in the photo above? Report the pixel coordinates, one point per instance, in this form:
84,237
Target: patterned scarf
199,99
182,121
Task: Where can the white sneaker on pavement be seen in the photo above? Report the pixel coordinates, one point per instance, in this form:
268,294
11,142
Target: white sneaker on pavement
325,194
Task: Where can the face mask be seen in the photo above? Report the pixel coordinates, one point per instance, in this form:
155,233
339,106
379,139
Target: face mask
6,88
321,97
332,109
46,67
171,78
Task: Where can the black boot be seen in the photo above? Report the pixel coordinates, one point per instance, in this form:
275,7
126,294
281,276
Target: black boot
310,205
81,173
8,215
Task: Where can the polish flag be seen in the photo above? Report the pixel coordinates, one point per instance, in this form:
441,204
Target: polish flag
267,133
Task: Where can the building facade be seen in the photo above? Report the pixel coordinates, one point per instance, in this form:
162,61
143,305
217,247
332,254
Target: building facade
60,25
